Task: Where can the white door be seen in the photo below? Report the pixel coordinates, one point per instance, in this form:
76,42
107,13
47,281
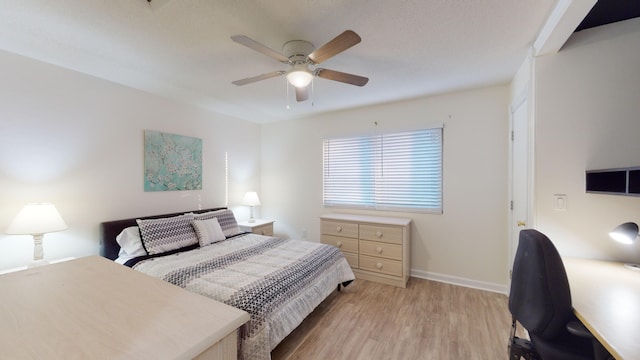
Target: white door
520,179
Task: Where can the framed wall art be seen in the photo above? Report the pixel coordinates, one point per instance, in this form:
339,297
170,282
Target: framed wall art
172,162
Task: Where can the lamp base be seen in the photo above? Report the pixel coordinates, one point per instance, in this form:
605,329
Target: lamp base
251,219
38,253
37,263
635,267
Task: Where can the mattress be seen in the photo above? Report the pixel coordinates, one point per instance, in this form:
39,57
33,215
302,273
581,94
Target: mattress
277,281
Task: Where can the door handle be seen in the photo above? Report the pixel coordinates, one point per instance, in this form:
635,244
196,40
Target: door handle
522,223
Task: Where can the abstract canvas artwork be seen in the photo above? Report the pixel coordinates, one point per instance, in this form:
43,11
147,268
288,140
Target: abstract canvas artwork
172,162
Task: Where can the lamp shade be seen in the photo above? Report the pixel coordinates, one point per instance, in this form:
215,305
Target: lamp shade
625,233
299,75
36,218
251,199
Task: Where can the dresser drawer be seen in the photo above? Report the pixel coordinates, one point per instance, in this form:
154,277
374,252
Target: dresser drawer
339,228
388,234
380,249
344,244
266,230
380,265
352,259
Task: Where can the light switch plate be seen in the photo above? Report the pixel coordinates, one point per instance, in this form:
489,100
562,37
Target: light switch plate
560,202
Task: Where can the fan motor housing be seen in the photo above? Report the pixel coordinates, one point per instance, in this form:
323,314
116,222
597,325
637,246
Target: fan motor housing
297,49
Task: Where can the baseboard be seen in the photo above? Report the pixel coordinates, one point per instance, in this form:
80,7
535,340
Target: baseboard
455,280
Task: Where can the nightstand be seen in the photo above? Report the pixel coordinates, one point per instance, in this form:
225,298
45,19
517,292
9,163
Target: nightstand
260,227
7,271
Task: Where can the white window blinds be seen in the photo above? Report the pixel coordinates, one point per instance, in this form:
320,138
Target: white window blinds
401,171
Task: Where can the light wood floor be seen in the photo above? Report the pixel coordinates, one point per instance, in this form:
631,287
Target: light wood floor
427,320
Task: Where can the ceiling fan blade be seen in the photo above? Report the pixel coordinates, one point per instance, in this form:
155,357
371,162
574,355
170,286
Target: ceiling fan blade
339,44
342,77
258,78
302,94
254,45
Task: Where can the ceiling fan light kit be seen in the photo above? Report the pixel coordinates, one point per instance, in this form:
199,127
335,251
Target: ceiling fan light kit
299,75
300,54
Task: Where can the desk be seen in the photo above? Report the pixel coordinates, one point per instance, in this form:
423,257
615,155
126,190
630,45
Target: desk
606,298
93,308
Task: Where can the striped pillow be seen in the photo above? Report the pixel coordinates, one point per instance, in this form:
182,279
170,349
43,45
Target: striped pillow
165,234
226,219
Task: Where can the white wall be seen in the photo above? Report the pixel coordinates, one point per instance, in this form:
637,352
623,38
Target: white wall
77,141
467,244
588,117
521,82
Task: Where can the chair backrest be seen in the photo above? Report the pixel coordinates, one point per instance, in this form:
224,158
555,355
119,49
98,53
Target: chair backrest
540,298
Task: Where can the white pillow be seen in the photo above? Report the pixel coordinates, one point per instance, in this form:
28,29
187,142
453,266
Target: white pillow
208,231
130,242
226,219
123,258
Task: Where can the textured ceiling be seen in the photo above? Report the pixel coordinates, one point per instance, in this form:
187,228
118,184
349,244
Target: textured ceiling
182,49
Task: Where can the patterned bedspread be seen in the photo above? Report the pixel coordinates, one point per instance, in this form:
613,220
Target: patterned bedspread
277,281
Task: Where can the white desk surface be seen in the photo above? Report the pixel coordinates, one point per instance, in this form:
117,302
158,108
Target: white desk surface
606,298
93,308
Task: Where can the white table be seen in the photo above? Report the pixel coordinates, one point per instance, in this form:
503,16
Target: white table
606,299
93,308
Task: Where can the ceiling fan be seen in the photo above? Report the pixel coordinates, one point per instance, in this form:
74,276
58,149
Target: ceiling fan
300,54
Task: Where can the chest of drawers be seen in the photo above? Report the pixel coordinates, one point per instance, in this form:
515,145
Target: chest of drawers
377,248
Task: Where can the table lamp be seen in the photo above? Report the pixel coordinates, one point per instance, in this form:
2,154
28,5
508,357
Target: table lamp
37,219
251,199
626,234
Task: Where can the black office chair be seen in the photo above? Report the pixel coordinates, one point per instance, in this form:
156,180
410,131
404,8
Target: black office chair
540,300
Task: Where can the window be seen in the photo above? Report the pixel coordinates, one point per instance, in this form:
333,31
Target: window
401,171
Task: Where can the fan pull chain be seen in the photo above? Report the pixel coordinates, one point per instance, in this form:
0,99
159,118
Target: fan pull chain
312,91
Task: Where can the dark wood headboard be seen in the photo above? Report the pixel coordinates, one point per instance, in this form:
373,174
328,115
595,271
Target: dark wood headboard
109,248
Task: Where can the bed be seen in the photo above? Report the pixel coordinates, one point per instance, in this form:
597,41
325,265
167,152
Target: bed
277,281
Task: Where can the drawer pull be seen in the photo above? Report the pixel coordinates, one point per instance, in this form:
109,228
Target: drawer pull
379,266
379,250
339,244
379,234
339,228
